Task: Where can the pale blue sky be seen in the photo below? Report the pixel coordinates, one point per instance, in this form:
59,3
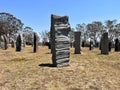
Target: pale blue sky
36,13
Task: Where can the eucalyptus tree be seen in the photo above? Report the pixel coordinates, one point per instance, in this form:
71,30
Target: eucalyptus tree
82,29
117,30
28,35
110,24
71,35
95,28
45,36
111,27
9,25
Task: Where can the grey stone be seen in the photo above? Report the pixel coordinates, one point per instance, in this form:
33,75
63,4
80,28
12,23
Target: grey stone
110,45
60,43
4,42
83,43
19,43
117,45
35,46
77,43
12,44
104,44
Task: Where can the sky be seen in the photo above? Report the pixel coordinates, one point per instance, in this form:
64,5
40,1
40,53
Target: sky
37,13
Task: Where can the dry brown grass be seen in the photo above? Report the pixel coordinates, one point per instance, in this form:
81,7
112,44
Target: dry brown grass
30,71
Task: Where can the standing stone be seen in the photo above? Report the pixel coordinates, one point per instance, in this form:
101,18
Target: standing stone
110,45
91,45
74,44
117,45
51,33
83,43
12,44
4,42
24,41
19,43
100,44
35,46
77,42
97,44
60,43
104,44
49,45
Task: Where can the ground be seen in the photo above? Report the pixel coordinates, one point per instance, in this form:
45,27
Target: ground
32,71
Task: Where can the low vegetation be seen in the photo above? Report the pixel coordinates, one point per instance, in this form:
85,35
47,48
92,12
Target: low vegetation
33,71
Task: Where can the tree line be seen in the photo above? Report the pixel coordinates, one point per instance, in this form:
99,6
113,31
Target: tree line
10,26
92,30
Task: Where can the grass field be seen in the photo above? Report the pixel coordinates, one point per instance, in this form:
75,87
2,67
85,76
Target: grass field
31,71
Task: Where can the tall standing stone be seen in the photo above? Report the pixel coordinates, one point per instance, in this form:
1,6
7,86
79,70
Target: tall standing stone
110,45
51,33
12,44
100,44
83,43
4,42
49,45
104,44
77,43
19,43
35,46
117,45
60,43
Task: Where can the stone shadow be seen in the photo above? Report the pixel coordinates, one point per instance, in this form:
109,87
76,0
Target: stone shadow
48,53
46,65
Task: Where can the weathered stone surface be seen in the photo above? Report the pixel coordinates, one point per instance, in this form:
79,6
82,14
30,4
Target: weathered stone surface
4,42
35,46
117,45
24,42
83,43
12,44
77,43
104,44
110,45
97,44
100,44
60,43
49,45
19,43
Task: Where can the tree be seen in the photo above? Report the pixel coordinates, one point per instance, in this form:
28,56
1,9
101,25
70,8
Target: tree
45,36
9,25
117,30
82,29
28,35
110,26
71,35
95,29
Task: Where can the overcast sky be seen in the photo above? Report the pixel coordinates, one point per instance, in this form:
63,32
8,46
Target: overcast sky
36,13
